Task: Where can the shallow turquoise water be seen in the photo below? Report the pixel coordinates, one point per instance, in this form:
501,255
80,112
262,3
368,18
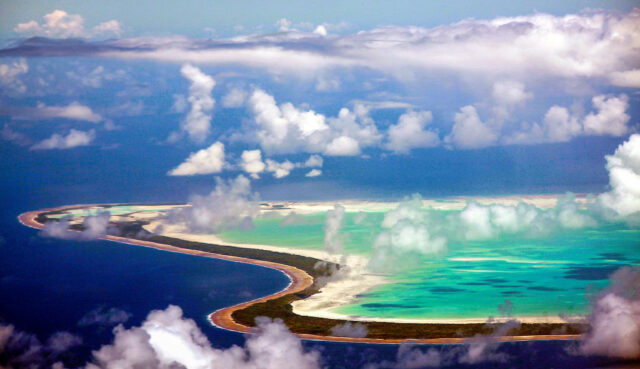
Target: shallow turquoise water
548,275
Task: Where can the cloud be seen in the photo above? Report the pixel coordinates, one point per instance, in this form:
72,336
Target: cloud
538,47
509,93
197,123
10,75
477,350
410,133
624,179
252,162
405,230
469,132
313,173
283,24
234,98
333,240
58,23
8,134
348,329
230,205
343,146
94,227
104,317
481,349
283,129
615,318
320,30
280,170
205,161
629,78
61,24
611,118
23,350
73,111
166,340
73,139
314,161
558,124
112,27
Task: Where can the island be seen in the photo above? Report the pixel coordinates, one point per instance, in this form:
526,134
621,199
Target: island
130,225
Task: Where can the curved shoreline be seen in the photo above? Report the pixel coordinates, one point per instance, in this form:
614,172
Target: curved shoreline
299,281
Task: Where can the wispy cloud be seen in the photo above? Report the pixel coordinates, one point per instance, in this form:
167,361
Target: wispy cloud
72,139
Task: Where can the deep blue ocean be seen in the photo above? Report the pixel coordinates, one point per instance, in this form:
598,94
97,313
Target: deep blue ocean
48,285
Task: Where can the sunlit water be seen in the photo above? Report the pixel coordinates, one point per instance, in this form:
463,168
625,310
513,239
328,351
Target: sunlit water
540,276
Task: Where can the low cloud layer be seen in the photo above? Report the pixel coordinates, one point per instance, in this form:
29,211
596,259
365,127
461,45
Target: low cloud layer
95,226
536,47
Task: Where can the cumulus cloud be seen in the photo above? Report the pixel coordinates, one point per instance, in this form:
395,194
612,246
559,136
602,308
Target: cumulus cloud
561,125
313,173
610,119
314,161
469,132
61,24
10,75
197,123
333,240
112,27
104,317
615,318
73,139
205,161
348,329
410,132
166,339
252,162
231,204
287,129
93,227
280,170
234,98
624,179
411,230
